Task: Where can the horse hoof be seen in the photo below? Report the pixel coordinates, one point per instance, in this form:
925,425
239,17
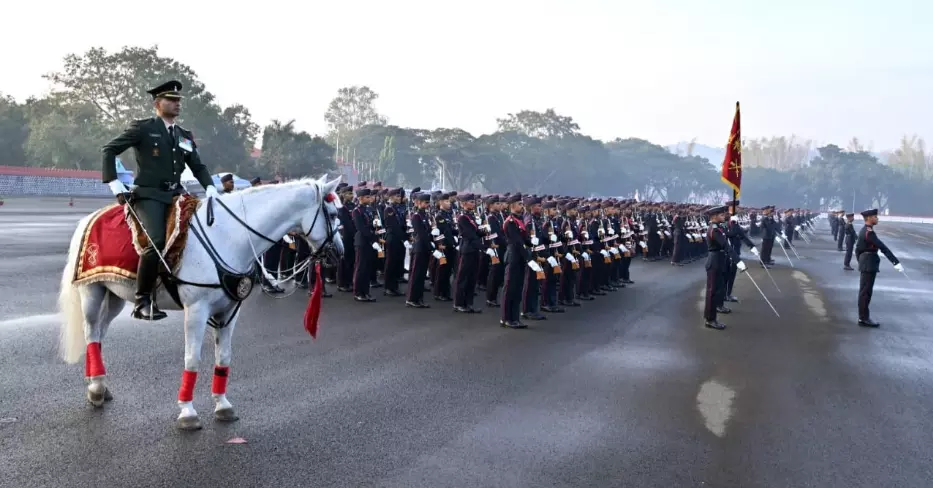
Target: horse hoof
188,423
225,415
95,396
108,397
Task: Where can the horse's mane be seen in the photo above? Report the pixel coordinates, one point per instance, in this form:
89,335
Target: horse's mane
288,184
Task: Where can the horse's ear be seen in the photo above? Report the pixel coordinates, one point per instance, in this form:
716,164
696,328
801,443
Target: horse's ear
330,186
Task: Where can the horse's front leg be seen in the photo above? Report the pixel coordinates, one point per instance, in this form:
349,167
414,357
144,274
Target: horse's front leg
195,323
223,352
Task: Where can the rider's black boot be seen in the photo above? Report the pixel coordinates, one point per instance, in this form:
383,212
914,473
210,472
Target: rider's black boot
146,308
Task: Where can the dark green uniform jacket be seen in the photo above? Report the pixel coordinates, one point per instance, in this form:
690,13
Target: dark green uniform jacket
160,159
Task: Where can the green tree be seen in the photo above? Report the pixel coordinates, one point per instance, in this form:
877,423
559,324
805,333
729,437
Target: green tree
14,131
290,154
352,108
63,136
543,125
780,153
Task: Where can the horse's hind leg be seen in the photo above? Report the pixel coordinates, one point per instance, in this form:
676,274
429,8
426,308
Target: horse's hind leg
100,307
223,352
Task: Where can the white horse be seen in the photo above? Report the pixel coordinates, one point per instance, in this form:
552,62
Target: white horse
271,211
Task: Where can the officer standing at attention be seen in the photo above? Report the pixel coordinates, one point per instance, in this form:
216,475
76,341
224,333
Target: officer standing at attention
420,250
162,150
866,252
471,245
717,263
850,237
736,236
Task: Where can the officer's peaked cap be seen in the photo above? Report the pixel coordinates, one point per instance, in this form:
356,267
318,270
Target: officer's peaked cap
169,89
870,213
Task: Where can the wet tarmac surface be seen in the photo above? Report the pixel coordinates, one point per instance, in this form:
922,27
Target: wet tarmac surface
629,390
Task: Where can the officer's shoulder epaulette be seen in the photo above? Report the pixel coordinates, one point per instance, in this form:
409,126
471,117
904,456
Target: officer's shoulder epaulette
139,122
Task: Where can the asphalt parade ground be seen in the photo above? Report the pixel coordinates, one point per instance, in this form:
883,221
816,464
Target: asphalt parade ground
628,390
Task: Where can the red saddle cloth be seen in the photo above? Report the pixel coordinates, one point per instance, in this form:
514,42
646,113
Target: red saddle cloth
113,241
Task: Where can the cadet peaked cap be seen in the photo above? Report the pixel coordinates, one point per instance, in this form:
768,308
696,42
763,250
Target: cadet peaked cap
870,213
227,177
169,89
516,198
365,192
850,215
422,197
531,201
550,204
255,181
717,210
491,199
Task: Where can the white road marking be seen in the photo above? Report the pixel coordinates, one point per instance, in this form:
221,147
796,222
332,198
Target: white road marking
714,401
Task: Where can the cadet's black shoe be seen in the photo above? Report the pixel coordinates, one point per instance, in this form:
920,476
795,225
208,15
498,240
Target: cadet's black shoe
473,310
628,282
492,304
868,323
375,284
461,309
416,304
514,325
714,324
393,293
573,304
731,298
146,309
848,268
344,289
724,310
533,316
597,293
442,299
268,288
840,249
364,298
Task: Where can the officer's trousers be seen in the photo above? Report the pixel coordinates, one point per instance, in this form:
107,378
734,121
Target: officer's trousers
731,272
494,281
715,292
152,215
417,273
345,269
568,281
848,257
512,294
362,270
440,280
866,286
394,264
678,254
840,240
767,244
467,270
531,300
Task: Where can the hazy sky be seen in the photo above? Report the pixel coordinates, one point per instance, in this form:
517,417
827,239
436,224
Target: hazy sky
666,71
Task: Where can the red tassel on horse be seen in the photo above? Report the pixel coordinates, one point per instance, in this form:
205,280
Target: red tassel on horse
314,303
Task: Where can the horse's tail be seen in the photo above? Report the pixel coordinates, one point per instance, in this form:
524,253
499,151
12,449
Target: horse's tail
71,341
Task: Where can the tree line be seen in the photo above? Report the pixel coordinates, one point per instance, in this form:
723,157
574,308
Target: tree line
94,95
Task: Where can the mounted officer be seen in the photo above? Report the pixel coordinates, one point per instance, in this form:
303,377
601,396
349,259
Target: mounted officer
162,150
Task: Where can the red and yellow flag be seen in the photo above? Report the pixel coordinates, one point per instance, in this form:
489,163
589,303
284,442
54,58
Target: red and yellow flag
732,163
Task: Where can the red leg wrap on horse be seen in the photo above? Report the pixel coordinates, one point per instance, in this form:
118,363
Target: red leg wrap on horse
93,363
186,392
219,385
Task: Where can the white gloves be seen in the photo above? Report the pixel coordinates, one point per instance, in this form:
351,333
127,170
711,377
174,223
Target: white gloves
622,248
407,245
377,247
899,267
211,191
117,187
437,254
741,266
733,219
604,253
377,222
288,239
408,222
552,261
534,241
491,252
568,234
570,258
585,256
486,227
612,231
797,228
435,232
553,237
778,238
755,251
534,266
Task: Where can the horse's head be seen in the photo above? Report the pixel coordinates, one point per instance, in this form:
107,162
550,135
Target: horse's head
320,222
